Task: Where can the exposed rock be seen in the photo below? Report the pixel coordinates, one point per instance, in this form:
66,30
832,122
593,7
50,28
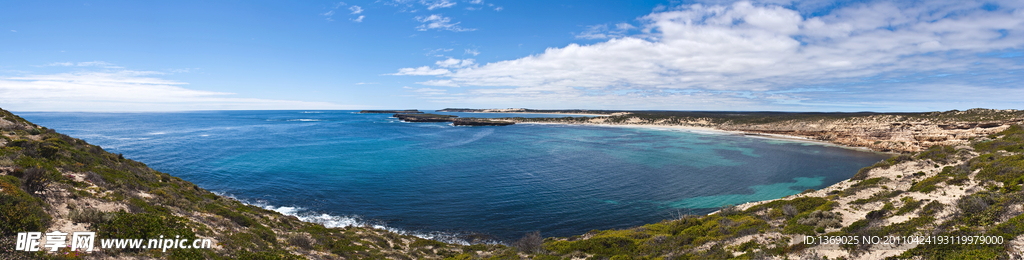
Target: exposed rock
423,118
480,122
407,111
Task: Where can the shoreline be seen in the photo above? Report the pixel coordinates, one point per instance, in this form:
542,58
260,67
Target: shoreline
709,130
549,113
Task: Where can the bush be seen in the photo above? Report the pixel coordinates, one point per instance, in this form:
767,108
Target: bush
789,210
822,219
36,180
938,153
19,211
89,215
928,185
301,241
530,243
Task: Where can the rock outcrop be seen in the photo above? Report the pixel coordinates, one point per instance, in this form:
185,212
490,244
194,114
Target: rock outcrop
888,132
407,111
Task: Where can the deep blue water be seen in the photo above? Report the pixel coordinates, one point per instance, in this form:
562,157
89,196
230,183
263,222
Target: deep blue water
437,180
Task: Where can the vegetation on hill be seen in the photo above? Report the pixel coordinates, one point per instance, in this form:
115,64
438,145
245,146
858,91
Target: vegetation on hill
49,181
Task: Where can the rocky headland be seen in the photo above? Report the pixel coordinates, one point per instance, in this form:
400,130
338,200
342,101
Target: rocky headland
407,111
427,118
886,132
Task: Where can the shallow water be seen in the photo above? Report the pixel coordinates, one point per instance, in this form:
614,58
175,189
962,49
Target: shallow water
444,182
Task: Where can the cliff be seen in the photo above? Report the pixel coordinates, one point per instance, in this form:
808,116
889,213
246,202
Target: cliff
53,182
427,118
888,132
407,111
947,202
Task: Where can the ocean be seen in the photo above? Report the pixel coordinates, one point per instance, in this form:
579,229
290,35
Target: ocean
461,184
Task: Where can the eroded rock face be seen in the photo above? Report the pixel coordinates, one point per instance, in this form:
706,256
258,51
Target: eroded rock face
897,132
881,133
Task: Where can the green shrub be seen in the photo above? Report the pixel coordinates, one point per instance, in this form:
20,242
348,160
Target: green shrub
928,185
937,153
19,211
237,217
909,205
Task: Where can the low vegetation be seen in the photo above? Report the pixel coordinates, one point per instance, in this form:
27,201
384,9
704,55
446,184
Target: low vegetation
48,179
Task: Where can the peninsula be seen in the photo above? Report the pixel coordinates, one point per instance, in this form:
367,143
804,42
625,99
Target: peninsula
886,132
427,118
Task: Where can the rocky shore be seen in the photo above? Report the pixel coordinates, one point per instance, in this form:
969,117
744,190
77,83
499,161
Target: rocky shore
407,111
426,118
885,132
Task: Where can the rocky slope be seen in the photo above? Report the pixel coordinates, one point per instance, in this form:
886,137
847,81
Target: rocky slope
891,132
962,202
53,182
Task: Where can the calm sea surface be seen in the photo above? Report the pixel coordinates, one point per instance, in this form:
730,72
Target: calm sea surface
439,181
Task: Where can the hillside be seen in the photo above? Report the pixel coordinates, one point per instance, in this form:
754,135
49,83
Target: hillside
943,194
50,181
972,187
889,132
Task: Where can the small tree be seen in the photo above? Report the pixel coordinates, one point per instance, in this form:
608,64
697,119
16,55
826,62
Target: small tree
530,243
36,180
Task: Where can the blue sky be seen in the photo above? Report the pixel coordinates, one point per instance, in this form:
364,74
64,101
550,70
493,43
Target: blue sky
674,55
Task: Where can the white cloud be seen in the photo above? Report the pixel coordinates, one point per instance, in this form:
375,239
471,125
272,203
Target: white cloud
125,90
437,52
358,19
434,4
474,52
762,55
356,9
476,2
101,64
455,63
328,13
421,71
439,22
439,83
602,31
13,31
722,50
499,8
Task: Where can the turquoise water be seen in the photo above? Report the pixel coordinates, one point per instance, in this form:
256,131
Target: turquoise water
451,183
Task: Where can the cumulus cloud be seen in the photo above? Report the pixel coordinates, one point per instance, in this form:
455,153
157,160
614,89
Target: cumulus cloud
473,52
438,22
355,9
125,90
358,19
769,55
